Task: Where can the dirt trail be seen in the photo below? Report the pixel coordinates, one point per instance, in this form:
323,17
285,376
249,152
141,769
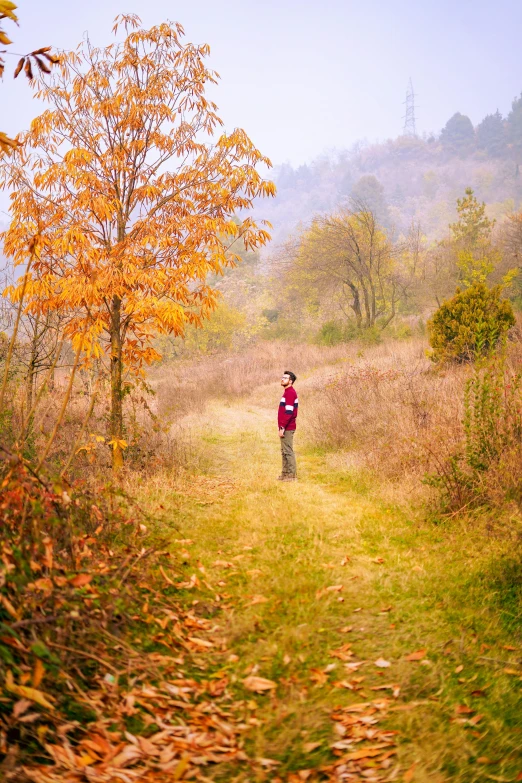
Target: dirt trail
341,601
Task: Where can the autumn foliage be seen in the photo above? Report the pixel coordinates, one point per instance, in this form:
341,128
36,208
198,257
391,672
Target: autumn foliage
470,324
123,198
40,59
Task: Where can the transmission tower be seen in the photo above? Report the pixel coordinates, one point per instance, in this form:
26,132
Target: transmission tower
409,117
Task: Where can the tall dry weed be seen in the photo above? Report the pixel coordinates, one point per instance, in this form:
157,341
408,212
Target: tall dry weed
392,410
183,387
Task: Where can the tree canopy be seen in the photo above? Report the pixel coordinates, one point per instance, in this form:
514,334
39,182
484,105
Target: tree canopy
123,198
458,132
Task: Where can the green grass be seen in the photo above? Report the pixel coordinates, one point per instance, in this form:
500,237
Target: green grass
455,589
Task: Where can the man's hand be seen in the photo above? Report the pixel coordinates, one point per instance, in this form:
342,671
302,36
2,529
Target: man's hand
281,432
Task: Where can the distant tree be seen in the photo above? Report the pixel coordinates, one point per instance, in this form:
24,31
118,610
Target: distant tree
491,134
473,225
471,234
514,124
430,184
303,174
346,183
458,133
285,176
368,193
346,259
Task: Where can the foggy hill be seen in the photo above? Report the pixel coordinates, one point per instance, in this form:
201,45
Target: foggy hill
409,178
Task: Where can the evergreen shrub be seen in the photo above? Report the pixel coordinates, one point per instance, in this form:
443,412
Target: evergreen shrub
469,325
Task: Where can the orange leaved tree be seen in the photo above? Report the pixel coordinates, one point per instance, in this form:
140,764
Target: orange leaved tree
124,196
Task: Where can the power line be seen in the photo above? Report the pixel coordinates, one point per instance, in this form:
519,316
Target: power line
409,118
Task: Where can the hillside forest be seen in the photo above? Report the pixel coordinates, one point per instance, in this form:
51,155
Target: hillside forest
169,609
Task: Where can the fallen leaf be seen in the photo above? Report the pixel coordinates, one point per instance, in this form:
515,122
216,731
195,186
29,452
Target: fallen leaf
485,760
475,719
318,677
334,588
344,652
416,656
462,709
396,689
9,607
80,580
382,663
128,753
378,560
408,775
200,642
367,753
512,671
352,667
308,747
38,673
478,692
45,584
459,669
20,707
27,693
258,599
258,684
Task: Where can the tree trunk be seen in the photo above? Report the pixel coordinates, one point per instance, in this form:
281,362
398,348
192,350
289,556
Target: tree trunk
29,382
388,321
367,309
373,305
356,304
31,373
116,420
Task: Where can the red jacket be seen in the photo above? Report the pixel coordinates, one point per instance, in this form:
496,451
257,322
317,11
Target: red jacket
287,413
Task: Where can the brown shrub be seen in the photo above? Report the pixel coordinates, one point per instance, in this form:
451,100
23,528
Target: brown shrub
391,410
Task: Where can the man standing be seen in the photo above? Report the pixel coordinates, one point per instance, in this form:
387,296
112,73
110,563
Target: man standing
286,417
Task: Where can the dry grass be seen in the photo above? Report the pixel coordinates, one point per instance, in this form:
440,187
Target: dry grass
408,585
183,387
390,410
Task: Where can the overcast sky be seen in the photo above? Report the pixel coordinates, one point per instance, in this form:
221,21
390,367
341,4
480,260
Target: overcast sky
304,77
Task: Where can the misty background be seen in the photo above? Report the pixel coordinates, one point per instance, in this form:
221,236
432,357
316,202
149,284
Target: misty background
308,81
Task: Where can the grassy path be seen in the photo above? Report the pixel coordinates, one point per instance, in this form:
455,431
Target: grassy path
399,586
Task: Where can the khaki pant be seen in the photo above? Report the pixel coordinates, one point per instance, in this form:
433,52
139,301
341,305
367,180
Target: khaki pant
287,453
